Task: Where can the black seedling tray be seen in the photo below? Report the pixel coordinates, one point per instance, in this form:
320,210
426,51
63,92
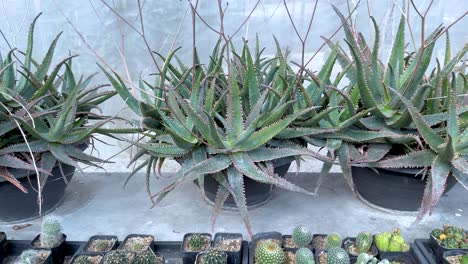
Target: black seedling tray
13,248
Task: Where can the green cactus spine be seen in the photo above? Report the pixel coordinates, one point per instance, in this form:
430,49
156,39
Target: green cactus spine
29,256
267,252
304,256
301,236
117,257
437,232
333,240
337,255
450,242
364,258
51,233
145,257
214,256
382,241
363,242
195,242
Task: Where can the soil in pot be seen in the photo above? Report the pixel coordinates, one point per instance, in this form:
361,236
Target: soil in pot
322,257
38,244
290,257
319,241
100,244
89,259
457,259
205,244
130,256
137,243
228,244
288,242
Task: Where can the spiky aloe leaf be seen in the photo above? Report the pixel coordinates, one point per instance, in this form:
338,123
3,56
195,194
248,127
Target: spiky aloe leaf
7,176
415,159
221,196
236,182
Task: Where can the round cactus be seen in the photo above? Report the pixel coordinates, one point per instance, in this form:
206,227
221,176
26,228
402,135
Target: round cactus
51,233
364,258
437,233
214,256
304,256
337,255
145,257
333,240
450,242
117,257
301,236
363,242
382,241
267,252
195,242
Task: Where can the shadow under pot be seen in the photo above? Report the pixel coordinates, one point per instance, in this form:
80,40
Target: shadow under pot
137,243
101,244
208,256
58,251
274,237
88,257
349,245
455,256
192,244
392,189
231,244
256,193
119,256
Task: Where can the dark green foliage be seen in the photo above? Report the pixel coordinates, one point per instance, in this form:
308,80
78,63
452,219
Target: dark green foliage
196,242
214,256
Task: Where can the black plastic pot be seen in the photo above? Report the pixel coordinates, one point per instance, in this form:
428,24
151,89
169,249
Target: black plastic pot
262,236
189,257
453,252
233,257
438,249
314,249
414,255
424,246
133,255
3,239
58,252
122,245
256,193
285,247
348,241
93,238
199,256
11,198
395,189
14,248
87,254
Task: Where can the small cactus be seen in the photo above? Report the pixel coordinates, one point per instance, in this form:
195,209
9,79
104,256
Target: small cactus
214,256
364,258
103,245
301,236
333,240
145,257
304,256
82,259
29,256
363,242
267,252
117,257
337,255
382,241
195,242
51,233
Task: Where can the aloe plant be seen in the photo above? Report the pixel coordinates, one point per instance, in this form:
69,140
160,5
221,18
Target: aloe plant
414,112
218,124
46,111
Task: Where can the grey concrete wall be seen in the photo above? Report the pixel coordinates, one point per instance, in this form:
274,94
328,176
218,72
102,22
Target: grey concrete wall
107,34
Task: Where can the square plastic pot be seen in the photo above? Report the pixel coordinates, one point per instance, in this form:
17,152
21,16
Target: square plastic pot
93,238
312,243
58,252
122,245
189,257
233,257
262,236
414,255
438,249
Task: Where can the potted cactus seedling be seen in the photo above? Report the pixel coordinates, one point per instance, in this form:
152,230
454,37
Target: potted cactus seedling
35,256
301,237
335,255
363,243
51,237
448,238
391,242
231,244
455,257
194,243
212,256
273,237
324,242
269,252
148,257
87,258
137,243
302,256
119,257
101,244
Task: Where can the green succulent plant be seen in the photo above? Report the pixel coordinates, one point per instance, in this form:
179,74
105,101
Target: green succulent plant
218,123
415,117
337,255
364,258
268,252
304,256
117,257
31,256
146,257
363,242
51,233
464,259
45,110
196,242
302,236
333,240
213,256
